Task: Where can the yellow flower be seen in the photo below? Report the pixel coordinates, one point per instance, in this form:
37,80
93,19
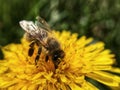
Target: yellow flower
83,58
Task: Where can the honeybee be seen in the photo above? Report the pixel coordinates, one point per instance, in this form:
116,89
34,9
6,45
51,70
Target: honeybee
39,33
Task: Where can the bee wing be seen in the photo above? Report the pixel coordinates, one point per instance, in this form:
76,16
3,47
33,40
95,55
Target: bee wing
43,24
28,26
36,32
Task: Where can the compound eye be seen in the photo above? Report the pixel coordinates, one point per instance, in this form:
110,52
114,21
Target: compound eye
58,54
55,57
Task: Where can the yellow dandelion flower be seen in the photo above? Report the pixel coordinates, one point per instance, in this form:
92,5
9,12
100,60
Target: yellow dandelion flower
83,59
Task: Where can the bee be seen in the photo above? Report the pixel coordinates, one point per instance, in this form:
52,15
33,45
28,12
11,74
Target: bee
40,33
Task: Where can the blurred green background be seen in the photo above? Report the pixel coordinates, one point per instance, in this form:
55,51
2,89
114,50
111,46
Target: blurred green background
94,18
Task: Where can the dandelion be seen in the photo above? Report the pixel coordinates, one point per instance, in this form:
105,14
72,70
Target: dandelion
83,59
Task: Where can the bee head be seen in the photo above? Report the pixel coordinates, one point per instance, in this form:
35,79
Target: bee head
58,54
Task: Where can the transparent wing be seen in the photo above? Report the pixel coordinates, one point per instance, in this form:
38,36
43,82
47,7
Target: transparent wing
36,32
29,27
42,23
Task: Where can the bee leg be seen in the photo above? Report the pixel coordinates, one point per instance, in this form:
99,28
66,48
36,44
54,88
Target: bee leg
31,49
38,55
46,58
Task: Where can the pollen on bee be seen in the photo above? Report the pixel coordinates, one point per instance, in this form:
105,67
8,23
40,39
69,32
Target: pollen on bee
42,64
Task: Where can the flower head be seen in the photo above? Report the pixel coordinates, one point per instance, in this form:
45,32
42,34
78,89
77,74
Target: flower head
83,59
